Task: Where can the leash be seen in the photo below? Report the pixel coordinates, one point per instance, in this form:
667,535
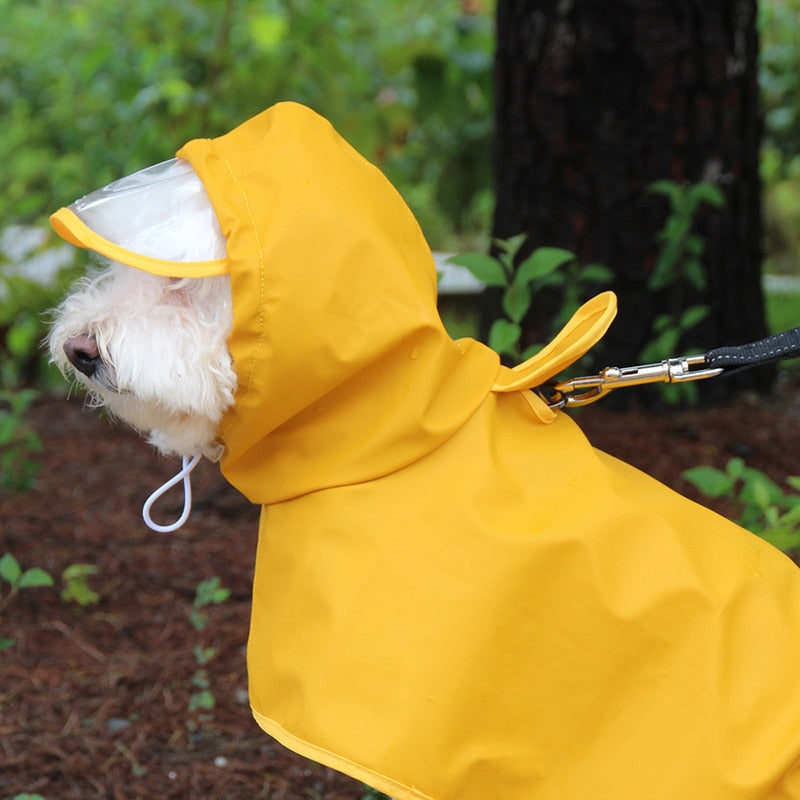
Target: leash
578,392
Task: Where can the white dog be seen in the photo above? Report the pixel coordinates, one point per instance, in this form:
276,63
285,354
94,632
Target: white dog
456,596
153,351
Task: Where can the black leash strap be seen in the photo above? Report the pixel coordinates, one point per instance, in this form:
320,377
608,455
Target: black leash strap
766,351
720,361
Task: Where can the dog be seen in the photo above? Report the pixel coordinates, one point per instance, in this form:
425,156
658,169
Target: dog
456,596
109,336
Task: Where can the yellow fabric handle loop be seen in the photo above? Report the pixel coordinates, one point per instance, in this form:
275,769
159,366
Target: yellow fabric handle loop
586,327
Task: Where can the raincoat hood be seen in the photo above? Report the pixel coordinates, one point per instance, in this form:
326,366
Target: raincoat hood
337,341
456,596
345,372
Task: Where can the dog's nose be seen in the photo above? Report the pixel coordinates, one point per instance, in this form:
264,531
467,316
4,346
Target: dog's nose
83,354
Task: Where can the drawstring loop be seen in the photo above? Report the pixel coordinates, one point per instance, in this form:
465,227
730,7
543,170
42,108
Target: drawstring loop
189,463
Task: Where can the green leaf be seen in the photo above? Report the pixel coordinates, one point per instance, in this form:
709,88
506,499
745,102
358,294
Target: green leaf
541,262
665,270
595,273
77,588
736,468
708,193
516,301
204,654
662,323
554,279
22,337
8,428
511,245
664,344
677,228
79,592
503,336
667,188
485,268
210,591
203,700
693,316
760,490
785,539
198,619
791,517
710,481
76,572
695,273
178,94
10,569
267,30
5,643
531,350
35,577
695,245
771,517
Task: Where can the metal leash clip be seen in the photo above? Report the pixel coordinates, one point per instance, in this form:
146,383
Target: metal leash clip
578,392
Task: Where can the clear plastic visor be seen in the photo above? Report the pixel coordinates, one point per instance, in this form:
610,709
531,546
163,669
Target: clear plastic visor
161,212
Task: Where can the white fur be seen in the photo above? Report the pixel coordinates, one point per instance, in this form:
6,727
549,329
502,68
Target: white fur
166,368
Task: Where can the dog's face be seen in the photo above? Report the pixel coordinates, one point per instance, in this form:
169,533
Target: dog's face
152,350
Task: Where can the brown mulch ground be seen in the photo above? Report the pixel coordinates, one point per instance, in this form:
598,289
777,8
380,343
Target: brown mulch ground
94,701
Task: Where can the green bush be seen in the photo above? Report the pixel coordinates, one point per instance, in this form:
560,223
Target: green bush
91,91
545,267
761,505
779,29
19,443
202,700
26,252
779,78
679,269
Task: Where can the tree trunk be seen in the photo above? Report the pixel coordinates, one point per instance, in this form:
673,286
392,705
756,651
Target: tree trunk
597,100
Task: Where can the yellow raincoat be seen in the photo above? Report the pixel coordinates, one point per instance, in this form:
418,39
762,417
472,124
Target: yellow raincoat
456,597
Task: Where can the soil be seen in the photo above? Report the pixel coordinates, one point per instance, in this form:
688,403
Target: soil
94,701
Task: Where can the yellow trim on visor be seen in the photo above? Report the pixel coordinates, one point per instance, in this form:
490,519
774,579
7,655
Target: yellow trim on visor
69,227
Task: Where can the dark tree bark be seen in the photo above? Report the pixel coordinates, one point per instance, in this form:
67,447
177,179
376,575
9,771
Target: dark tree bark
595,101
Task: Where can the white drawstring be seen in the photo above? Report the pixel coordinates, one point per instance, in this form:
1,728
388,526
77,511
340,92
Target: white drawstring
189,463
